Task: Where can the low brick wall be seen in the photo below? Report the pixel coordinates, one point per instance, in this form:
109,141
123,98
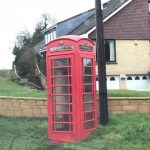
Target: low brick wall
119,105
37,107
34,107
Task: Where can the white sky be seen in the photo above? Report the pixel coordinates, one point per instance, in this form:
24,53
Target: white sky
18,15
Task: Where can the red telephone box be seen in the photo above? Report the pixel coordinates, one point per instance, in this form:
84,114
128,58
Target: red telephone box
71,86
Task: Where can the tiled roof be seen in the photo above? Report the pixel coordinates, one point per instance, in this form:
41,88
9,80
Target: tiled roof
39,47
88,24
65,27
112,5
81,23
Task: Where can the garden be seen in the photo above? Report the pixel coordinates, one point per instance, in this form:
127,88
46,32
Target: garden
124,131
9,88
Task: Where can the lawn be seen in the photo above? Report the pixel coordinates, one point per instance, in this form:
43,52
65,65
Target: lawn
128,93
124,132
10,88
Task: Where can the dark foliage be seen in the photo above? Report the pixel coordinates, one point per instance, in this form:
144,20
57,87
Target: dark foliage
23,49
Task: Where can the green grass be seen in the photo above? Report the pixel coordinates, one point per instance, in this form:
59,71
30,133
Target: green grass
124,132
128,93
24,134
10,88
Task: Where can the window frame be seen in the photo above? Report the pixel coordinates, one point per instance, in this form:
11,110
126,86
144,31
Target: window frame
149,6
49,36
110,61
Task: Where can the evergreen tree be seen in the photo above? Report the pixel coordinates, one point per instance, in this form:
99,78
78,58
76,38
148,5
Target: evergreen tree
23,49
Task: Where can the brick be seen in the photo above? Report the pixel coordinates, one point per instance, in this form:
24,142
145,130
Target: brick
1,102
18,112
124,102
115,108
117,112
16,104
32,103
7,103
144,109
147,101
46,103
130,108
25,105
9,112
2,111
36,112
28,104
128,27
113,102
131,111
27,112
44,112
137,101
41,103
42,107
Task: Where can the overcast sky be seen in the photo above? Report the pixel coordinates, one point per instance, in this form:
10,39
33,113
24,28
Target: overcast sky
18,15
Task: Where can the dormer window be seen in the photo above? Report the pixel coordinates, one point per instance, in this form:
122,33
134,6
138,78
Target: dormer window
50,36
149,6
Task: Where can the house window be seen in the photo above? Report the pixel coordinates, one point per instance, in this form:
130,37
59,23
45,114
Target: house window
112,79
50,36
149,6
110,50
137,78
129,78
144,78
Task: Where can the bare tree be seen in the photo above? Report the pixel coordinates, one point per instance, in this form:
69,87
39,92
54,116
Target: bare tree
48,19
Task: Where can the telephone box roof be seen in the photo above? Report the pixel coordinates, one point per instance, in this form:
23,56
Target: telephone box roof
72,37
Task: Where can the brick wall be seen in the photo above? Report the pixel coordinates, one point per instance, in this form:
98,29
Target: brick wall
31,107
11,106
132,22
129,105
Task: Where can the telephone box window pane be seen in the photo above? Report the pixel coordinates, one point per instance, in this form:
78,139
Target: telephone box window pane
88,88
88,107
87,70
89,125
62,108
89,116
61,71
87,97
63,80
62,99
61,62
61,90
87,62
62,127
63,117
87,79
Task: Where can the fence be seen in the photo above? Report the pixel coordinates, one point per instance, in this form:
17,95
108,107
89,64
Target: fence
5,73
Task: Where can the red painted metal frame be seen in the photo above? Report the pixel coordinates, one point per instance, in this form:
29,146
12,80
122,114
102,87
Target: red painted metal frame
77,123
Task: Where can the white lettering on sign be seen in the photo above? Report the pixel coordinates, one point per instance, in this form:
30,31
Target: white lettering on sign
84,47
61,48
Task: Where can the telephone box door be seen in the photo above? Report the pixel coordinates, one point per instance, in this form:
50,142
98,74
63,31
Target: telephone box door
89,93
60,91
